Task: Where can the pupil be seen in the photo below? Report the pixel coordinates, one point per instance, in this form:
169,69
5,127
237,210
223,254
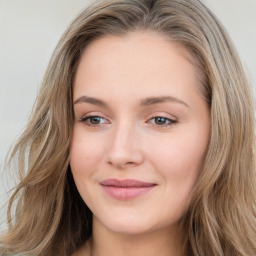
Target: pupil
95,120
160,120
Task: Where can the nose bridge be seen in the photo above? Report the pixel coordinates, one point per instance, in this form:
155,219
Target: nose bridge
123,133
124,147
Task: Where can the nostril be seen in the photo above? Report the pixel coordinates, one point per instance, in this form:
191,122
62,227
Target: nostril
130,163
121,165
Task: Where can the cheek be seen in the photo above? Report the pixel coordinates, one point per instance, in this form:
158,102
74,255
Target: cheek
180,161
85,153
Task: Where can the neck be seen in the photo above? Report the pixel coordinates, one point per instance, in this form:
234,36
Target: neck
164,242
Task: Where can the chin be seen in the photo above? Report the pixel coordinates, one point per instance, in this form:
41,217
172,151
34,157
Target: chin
128,225
129,228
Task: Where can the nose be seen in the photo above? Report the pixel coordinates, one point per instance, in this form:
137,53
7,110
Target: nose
125,150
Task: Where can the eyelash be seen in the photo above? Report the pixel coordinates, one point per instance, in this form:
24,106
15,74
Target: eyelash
166,119
87,121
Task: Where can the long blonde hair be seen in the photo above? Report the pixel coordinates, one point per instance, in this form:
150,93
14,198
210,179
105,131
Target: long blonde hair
50,216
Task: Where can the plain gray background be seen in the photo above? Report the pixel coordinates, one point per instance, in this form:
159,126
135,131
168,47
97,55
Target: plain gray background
29,31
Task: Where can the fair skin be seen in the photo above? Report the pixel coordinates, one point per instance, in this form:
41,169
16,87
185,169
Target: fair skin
139,115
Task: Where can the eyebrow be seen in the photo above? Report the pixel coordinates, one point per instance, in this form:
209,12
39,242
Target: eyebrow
145,102
91,100
161,99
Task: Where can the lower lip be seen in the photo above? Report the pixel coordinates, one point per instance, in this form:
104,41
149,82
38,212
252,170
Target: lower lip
126,193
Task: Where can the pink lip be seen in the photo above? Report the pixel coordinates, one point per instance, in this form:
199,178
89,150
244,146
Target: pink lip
126,189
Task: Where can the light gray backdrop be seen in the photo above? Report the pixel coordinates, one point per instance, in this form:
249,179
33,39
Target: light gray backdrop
29,31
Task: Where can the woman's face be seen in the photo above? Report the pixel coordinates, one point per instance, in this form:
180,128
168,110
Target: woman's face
141,132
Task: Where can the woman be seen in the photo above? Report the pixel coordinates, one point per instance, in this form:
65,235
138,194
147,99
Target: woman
141,141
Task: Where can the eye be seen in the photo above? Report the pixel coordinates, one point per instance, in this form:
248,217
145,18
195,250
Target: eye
94,120
162,121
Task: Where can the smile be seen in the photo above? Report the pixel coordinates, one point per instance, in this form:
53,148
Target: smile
126,189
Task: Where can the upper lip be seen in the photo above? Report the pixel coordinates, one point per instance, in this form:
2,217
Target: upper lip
126,183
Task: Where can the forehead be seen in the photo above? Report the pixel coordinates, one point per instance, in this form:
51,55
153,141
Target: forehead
138,60
135,44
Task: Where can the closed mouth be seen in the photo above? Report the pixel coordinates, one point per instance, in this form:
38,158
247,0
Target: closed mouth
126,189
126,183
